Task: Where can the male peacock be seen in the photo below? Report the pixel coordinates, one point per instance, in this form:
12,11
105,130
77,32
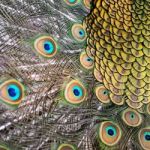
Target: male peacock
74,75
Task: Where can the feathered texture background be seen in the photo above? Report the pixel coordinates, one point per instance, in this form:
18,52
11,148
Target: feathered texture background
54,93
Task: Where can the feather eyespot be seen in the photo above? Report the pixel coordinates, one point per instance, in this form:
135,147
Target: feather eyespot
46,46
144,138
86,61
109,133
87,3
78,32
75,92
11,92
131,117
102,94
71,2
66,147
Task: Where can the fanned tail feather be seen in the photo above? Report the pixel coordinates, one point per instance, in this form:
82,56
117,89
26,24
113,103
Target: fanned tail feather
52,95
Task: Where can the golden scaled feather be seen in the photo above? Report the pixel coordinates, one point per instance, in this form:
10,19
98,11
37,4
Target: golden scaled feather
119,40
59,93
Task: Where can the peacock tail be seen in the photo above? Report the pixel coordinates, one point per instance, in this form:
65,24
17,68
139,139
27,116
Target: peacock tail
74,75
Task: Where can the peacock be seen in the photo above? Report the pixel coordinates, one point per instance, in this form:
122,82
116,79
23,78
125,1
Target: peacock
74,74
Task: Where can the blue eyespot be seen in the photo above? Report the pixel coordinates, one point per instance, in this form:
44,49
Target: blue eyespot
72,1
105,92
48,47
82,33
13,92
111,131
147,136
78,92
89,59
132,115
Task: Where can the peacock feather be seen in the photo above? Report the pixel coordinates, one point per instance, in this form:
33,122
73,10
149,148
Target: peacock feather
74,74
